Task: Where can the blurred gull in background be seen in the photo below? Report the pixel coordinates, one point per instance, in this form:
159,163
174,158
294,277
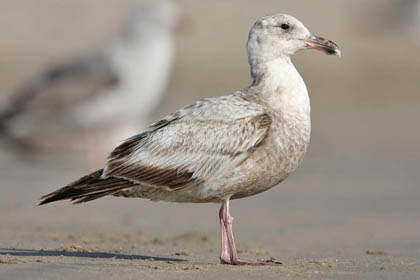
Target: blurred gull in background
86,101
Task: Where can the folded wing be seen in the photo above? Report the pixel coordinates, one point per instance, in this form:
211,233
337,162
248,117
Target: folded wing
184,149
188,147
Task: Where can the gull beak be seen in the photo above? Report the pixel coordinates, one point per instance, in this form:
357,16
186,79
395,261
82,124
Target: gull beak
319,43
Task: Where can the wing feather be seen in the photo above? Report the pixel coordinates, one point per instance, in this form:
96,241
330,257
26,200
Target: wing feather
187,148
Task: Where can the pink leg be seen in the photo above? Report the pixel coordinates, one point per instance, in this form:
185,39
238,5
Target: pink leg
226,220
224,255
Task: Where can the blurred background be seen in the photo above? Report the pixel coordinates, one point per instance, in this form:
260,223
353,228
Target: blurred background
359,185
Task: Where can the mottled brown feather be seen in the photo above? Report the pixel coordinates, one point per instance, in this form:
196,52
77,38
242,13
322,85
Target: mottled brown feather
166,177
176,177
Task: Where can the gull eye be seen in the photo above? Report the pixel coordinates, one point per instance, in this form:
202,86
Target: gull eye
285,26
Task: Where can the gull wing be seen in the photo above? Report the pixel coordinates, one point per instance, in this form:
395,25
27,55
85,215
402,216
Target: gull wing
192,145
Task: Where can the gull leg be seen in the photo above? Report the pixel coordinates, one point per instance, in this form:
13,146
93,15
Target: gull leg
234,258
224,255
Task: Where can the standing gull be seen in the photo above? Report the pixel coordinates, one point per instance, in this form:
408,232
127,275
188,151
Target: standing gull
104,91
220,148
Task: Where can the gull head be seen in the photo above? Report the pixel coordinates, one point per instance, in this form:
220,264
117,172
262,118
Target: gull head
282,35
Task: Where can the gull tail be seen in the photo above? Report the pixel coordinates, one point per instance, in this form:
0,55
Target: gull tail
88,188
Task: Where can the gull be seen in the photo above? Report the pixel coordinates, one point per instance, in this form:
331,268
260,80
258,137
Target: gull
121,81
221,148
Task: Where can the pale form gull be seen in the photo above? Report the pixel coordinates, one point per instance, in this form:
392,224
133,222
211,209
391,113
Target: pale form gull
220,148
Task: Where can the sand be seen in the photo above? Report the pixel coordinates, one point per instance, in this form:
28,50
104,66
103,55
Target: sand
351,211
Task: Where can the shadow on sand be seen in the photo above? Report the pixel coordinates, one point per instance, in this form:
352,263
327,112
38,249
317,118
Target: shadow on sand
103,255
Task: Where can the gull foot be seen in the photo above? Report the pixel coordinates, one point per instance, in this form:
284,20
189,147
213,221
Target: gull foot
246,262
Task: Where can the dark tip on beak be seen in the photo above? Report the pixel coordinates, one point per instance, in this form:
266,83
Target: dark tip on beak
322,44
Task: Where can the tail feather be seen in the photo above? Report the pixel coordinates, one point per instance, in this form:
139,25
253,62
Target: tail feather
88,188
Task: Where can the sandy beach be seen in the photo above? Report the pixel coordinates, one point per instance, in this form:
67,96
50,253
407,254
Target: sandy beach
351,211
